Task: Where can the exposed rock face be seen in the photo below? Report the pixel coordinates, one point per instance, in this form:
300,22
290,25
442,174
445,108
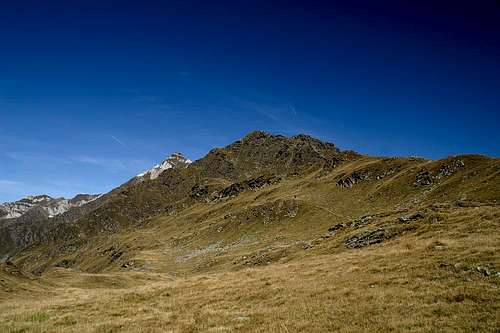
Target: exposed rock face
253,183
386,168
82,199
205,194
16,209
427,177
33,218
176,160
409,218
368,237
52,206
354,178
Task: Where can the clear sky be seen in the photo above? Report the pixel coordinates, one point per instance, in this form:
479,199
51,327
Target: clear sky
93,92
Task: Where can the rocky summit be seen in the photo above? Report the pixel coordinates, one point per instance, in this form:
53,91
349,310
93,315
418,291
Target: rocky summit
176,160
270,233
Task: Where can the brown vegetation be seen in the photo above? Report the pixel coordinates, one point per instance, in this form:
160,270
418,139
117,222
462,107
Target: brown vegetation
345,243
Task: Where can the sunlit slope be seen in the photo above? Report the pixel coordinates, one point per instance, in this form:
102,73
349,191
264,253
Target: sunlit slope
273,234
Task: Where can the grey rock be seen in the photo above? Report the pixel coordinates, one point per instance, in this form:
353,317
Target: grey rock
409,218
368,237
333,229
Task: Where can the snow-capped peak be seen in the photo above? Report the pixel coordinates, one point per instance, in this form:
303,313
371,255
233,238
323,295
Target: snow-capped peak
175,160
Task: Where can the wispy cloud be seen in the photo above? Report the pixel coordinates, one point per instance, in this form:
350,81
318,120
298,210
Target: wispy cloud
269,111
284,116
112,164
118,141
9,141
8,183
31,157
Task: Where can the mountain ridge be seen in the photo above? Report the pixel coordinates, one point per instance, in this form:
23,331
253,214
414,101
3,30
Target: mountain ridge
53,206
252,155
256,160
286,222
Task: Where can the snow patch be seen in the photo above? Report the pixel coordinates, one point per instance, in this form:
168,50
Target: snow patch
175,160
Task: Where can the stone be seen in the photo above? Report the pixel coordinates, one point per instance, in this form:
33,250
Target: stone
409,218
483,270
366,238
65,263
335,227
424,178
355,178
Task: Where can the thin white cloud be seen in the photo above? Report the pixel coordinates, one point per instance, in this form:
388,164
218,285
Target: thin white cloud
6,183
285,116
118,141
269,111
112,164
30,157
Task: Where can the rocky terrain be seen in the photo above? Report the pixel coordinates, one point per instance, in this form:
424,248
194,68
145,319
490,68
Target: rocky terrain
269,233
23,222
176,160
51,206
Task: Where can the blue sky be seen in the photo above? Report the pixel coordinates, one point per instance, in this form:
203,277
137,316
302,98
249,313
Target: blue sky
92,93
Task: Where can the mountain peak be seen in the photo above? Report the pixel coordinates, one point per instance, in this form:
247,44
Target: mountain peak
256,135
175,160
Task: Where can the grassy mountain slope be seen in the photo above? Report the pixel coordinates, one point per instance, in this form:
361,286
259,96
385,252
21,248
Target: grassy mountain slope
276,234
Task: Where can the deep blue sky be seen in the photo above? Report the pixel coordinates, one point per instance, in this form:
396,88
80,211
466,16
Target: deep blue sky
91,93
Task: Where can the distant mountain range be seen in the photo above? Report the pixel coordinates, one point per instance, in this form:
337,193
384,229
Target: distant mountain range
45,205
25,221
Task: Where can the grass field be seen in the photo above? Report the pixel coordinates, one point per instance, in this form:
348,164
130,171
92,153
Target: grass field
425,281
302,255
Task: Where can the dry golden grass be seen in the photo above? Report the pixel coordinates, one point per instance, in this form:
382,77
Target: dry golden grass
416,283
247,265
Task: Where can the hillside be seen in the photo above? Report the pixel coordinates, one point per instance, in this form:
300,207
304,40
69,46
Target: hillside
270,233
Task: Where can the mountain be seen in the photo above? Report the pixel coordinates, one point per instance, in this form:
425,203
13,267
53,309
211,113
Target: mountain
22,222
269,233
37,218
176,160
182,184
43,203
